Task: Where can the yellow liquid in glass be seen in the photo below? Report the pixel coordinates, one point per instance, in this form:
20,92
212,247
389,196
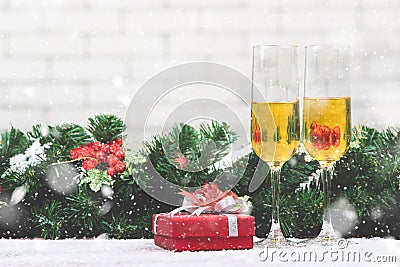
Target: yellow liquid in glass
327,127
275,130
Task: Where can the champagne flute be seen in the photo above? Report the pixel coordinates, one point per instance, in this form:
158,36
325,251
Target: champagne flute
275,124
327,117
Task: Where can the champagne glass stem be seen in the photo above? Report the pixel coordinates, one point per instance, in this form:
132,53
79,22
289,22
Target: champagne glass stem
327,232
275,233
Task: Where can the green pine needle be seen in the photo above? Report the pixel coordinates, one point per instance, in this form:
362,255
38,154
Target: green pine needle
120,226
105,128
83,212
12,143
367,177
49,219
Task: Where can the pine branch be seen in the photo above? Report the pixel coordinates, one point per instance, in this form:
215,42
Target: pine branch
221,136
105,128
49,219
120,226
83,213
367,177
62,138
12,143
32,178
185,140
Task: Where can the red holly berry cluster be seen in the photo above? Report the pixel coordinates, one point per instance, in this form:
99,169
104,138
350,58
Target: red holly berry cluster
324,137
95,154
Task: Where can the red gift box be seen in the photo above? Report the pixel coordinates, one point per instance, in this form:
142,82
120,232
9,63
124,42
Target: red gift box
182,231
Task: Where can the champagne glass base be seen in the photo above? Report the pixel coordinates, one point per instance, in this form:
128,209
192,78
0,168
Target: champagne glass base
276,239
327,236
273,243
279,243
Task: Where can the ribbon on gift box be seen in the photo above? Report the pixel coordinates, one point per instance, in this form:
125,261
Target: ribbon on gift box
210,199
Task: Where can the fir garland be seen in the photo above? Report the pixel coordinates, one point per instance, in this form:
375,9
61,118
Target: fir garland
91,203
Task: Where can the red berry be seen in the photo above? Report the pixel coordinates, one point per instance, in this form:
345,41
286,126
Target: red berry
114,148
73,153
96,146
1,188
106,148
77,153
117,141
257,136
120,153
120,167
112,160
89,164
323,137
100,155
87,151
335,136
314,125
111,171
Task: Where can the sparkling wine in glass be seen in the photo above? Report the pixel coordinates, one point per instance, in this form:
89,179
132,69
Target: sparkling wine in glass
275,125
327,117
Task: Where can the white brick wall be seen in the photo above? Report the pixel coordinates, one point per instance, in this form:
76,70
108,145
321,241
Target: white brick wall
101,20
162,21
137,46
23,69
64,60
90,69
20,21
44,46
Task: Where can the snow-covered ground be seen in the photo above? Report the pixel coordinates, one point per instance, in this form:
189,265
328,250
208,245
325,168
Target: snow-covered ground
101,252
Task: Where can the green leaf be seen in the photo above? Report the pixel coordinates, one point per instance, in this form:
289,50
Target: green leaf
96,178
